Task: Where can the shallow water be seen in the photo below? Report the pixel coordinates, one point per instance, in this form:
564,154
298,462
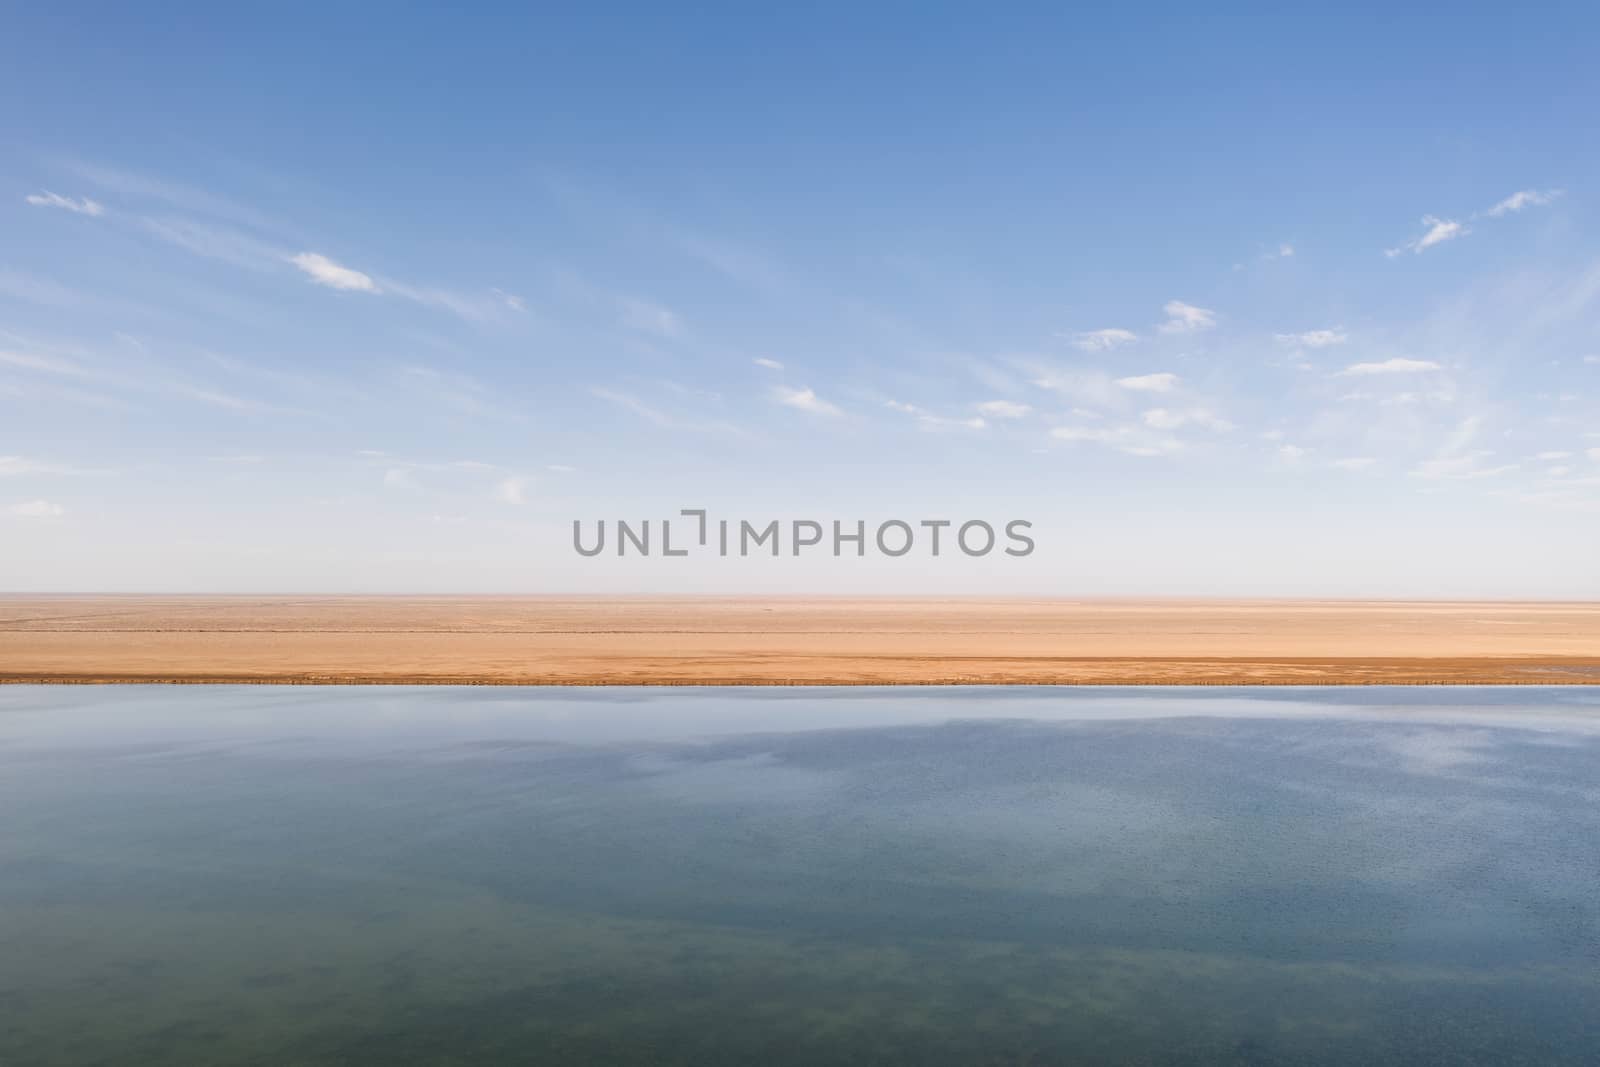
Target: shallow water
222,875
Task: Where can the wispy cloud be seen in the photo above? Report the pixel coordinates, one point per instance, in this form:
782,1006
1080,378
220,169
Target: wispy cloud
646,317
1080,386
1167,419
219,399
1390,366
1456,458
80,206
1467,465
1524,199
44,364
1004,409
512,490
1313,338
1103,340
325,271
185,197
804,400
1353,463
1149,383
510,300
629,402
1438,231
37,509
770,364
474,307
927,420
17,466
657,417
1186,318
1131,440
214,241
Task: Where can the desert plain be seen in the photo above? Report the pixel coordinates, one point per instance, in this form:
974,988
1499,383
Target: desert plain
658,640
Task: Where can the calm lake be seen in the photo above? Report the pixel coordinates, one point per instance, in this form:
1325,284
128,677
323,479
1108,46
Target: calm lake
349,875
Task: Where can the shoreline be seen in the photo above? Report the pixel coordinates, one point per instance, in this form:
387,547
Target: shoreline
792,641
1488,681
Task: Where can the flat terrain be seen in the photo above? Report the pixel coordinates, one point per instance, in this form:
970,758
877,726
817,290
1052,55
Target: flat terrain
803,641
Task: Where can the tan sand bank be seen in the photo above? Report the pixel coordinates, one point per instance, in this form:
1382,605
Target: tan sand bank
809,641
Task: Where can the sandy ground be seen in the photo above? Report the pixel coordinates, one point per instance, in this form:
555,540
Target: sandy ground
740,641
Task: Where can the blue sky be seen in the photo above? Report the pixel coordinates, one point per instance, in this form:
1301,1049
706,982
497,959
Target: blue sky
1285,304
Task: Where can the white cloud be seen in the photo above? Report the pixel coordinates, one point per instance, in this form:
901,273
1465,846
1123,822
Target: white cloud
1591,359
1004,409
804,400
1439,231
1549,456
1519,200
770,364
1353,463
83,206
1186,318
1291,453
1390,366
399,478
1594,454
512,490
1149,383
37,509
1314,338
1167,419
325,271
1283,251
1103,340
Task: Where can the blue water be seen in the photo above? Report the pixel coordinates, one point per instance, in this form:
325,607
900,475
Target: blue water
347,875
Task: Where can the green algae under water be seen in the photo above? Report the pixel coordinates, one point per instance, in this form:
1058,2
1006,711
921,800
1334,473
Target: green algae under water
235,875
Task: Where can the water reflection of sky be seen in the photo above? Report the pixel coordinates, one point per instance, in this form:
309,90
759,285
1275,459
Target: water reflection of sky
1402,859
